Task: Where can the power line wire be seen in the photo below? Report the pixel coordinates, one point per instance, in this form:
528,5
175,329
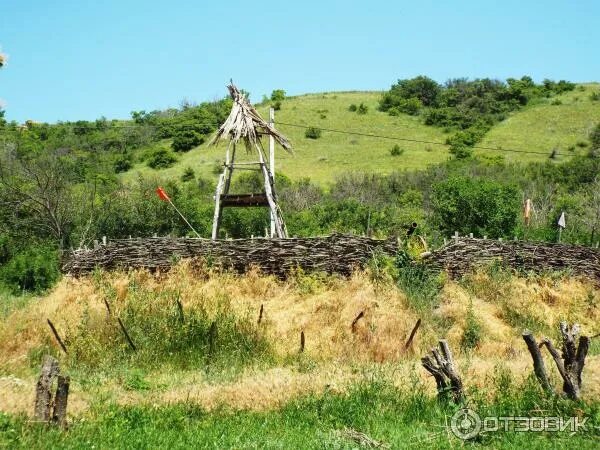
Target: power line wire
331,130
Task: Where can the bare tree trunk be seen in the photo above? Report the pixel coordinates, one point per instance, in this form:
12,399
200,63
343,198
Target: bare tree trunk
538,362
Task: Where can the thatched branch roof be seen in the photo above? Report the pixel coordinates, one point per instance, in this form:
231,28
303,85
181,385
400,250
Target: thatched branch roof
245,124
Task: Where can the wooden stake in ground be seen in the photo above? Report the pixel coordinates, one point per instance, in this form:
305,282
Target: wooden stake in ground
302,341
62,345
441,366
355,321
260,314
43,389
127,337
412,335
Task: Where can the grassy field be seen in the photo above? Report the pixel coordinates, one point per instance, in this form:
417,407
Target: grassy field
540,127
253,389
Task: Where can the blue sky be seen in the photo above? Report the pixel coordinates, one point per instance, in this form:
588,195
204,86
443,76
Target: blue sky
74,60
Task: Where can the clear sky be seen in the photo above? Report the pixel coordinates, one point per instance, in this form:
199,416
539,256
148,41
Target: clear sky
84,59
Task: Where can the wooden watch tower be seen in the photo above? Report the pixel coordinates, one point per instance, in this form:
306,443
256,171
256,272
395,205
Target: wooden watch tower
246,125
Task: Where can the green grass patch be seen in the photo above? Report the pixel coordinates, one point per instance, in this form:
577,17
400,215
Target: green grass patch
399,418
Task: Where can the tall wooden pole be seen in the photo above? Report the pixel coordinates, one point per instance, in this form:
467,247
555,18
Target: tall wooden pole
272,162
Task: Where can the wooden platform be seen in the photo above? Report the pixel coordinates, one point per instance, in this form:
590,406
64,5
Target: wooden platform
244,200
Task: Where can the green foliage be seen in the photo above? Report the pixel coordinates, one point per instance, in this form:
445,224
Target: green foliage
420,284
396,150
161,158
186,139
472,332
595,137
312,133
473,106
352,108
278,95
362,109
123,163
421,88
33,269
478,206
277,105
188,175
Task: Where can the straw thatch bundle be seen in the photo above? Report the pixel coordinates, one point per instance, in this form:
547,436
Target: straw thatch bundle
245,124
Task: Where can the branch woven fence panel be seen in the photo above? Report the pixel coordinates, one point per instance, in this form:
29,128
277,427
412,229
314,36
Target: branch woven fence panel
464,254
334,254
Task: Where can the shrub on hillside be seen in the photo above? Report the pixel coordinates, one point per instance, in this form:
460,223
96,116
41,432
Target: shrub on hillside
161,159
186,139
362,109
475,205
312,133
188,175
352,108
396,150
34,269
123,163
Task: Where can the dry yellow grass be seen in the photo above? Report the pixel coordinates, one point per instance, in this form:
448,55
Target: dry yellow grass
322,307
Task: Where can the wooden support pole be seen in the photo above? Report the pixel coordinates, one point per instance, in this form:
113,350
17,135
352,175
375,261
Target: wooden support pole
62,345
272,163
127,337
302,341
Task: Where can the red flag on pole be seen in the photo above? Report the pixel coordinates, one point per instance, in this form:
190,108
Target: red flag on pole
162,194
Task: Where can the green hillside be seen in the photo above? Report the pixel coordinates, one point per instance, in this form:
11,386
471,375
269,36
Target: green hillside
542,127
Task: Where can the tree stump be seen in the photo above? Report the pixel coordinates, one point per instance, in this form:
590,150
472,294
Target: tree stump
441,366
59,417
43,389
49,408
571,365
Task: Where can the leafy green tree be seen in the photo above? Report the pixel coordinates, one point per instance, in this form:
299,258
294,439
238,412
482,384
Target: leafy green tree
34,269
475,205
278,95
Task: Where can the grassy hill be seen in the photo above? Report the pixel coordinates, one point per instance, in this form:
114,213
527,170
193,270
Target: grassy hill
558,123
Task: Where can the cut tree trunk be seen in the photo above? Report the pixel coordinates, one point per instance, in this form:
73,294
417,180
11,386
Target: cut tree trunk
441,366
43,389
570,366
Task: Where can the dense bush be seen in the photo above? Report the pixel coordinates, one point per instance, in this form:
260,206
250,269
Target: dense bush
396,150
161,159
312,133
362,109
33,269
479,206
186,139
